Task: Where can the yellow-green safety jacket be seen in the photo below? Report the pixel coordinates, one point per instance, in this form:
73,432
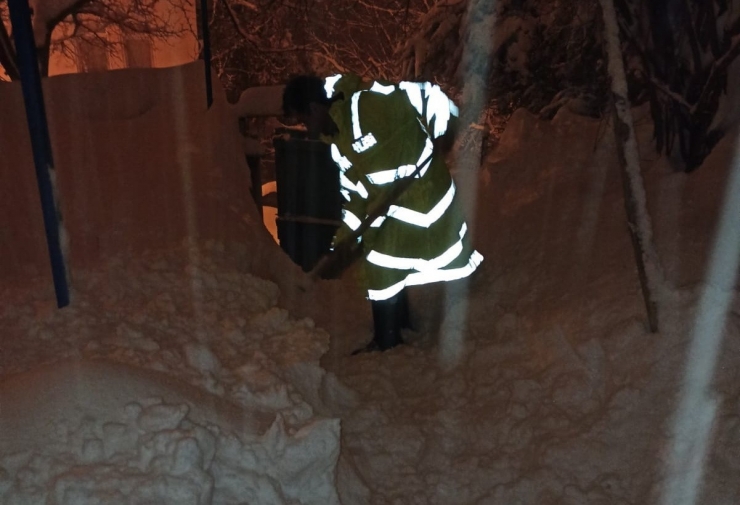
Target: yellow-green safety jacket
385,133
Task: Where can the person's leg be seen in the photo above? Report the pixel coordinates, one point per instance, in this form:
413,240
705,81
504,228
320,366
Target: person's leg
387,322
426,304
404,314
387,319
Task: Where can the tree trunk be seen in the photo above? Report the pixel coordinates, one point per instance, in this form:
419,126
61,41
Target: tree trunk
638,220
7,54
43,54
8,58
475,67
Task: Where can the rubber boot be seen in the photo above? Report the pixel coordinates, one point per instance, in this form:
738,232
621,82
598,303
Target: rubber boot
402,312
388,316
387,323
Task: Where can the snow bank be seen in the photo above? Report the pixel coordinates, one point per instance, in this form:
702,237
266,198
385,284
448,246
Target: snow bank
167,380
557,395
260,101
179,374
553,200
105,432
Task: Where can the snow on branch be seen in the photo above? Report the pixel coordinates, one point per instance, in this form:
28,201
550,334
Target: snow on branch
719,67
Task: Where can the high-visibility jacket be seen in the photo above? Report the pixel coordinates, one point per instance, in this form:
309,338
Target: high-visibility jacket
385,133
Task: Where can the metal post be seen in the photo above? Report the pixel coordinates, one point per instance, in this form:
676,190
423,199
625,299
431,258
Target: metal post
206,50
38,128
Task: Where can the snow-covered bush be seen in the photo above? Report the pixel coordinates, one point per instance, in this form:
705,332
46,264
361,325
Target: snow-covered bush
679,54
544,54
266,41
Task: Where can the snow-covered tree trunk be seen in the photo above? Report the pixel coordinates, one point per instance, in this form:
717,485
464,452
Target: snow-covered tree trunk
475,69
640,227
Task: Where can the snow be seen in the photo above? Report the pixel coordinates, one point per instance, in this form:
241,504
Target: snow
142,397
260,101
205,368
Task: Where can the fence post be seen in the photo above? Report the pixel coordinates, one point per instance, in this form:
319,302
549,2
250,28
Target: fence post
38,128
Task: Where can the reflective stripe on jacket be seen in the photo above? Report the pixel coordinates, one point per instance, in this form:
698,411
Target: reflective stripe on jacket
385,134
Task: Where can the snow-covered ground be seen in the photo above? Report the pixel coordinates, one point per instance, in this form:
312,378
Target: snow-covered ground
559,395
204,373
165,383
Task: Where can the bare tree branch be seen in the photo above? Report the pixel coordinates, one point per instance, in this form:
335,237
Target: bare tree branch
663,88
719,68
7,54
309,36
253,41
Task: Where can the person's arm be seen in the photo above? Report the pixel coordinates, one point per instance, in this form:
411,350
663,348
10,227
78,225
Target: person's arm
354,206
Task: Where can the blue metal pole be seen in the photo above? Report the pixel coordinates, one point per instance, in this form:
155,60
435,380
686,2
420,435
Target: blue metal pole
206,50
38,128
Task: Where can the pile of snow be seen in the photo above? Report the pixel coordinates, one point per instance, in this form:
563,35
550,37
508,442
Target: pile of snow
104,433
166,382
544,384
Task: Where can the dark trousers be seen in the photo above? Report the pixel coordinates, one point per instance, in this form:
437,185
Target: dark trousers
389,317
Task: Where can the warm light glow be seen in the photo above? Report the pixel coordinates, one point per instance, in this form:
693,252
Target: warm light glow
269,214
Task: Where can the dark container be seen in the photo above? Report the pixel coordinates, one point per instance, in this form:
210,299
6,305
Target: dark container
308,200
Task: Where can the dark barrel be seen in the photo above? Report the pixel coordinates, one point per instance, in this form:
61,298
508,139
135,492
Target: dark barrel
309,203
